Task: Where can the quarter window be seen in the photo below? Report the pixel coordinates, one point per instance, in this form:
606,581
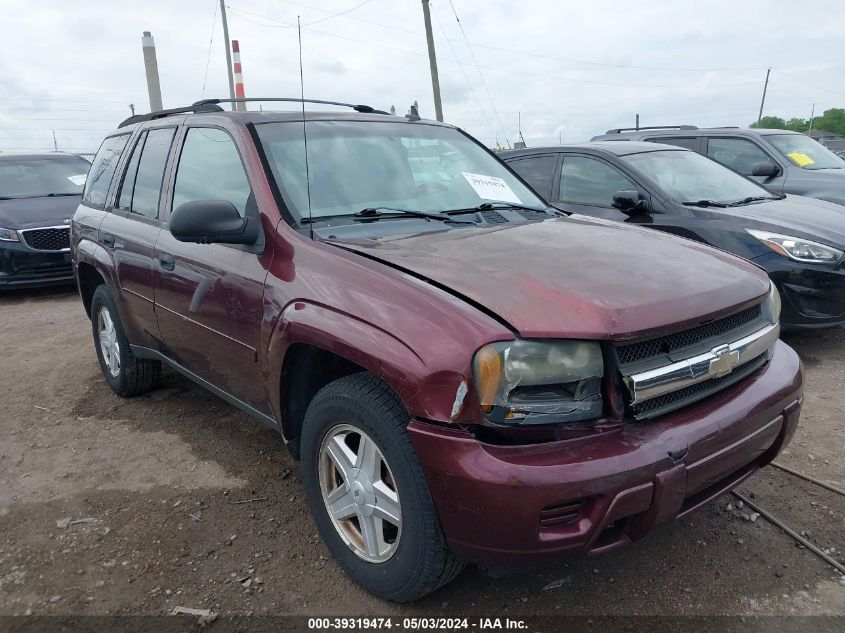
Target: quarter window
537,171
590,182
210,168
737,154
102,170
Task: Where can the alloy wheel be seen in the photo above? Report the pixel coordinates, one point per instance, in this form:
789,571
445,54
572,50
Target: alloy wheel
109,345
360,493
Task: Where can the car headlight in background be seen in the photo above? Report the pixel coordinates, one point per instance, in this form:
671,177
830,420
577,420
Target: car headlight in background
799,249
771,306
539,382
8,235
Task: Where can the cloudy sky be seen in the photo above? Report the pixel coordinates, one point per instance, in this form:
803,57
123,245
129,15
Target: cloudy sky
573,68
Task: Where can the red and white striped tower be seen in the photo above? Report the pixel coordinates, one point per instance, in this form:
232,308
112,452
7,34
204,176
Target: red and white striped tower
239,76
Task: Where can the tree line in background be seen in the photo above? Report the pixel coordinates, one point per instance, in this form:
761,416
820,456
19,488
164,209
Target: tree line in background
832,120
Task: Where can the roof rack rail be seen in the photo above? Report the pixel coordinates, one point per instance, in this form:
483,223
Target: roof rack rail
365,109
158,114
619,130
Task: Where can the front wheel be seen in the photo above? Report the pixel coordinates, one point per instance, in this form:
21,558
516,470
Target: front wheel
367,491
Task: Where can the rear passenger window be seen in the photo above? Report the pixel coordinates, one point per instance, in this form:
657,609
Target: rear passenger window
141,188
689,142
590,182
210,168
736,153
537,171
102,170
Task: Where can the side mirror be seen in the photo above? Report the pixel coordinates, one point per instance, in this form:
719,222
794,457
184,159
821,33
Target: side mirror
212,221
765,169
629,202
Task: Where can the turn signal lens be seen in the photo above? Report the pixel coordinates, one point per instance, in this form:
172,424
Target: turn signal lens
488,374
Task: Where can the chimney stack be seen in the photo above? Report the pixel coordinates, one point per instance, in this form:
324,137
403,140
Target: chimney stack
239,76
148,45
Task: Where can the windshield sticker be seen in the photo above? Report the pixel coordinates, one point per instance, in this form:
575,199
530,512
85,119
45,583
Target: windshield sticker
78,180
801,159
491,188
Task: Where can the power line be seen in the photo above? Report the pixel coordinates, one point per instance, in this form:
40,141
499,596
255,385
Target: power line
480,74
461,68
339,14
527,53
833,92
280,24
210,42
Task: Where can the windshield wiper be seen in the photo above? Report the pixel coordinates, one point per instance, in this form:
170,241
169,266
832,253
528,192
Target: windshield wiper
58,195
489,206
704,203
751,199
388,212
378,213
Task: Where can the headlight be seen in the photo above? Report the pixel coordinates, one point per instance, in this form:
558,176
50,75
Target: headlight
771,306
539,382
798,249
8,235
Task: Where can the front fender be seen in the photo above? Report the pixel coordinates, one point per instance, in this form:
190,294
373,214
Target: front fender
426,391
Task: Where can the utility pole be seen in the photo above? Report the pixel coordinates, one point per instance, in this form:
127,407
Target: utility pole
228,54
812,116
432,61
55,144
132,108
763,100
637,122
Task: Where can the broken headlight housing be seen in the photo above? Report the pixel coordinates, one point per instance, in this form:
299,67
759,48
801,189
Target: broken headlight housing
539,381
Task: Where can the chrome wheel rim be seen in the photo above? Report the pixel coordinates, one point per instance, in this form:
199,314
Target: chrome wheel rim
109,346
360,493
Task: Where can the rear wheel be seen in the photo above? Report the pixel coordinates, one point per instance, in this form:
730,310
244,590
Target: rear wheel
124,373
367,491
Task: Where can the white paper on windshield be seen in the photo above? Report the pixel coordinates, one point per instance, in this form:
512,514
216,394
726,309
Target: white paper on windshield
78,180
491,188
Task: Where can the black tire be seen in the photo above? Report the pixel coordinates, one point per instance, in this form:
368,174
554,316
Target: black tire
422,561
135,375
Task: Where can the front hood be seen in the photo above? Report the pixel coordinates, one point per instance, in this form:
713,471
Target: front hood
576,277
26,213
796,216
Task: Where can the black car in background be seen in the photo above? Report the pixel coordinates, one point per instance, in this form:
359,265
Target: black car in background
781,160
38,195
799,241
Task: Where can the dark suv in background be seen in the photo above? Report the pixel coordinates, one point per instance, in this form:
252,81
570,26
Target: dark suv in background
783,161
466,375
38,195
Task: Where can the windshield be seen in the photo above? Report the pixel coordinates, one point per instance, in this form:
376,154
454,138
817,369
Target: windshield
354,165
690,177
805,152
35,177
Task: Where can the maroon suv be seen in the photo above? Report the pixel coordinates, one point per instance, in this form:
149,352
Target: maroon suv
465,374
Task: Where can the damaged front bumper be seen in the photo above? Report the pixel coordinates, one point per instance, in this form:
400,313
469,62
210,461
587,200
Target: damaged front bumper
511,507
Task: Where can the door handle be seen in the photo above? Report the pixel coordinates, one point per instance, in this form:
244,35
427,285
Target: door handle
108,240
166,261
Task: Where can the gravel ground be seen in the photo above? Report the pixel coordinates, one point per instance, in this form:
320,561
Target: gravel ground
113,506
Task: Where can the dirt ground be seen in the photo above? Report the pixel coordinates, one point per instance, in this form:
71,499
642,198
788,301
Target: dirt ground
113,506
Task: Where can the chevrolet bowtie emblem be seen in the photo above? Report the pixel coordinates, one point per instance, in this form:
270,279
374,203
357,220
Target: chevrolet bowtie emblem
724,362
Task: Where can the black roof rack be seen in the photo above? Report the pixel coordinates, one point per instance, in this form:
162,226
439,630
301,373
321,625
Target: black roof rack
212,105
619,130
357,107
158,114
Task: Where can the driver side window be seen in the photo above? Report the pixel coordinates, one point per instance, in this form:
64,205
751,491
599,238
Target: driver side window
590,182
210,168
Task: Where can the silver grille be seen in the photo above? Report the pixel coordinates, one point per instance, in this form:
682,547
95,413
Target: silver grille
672,371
